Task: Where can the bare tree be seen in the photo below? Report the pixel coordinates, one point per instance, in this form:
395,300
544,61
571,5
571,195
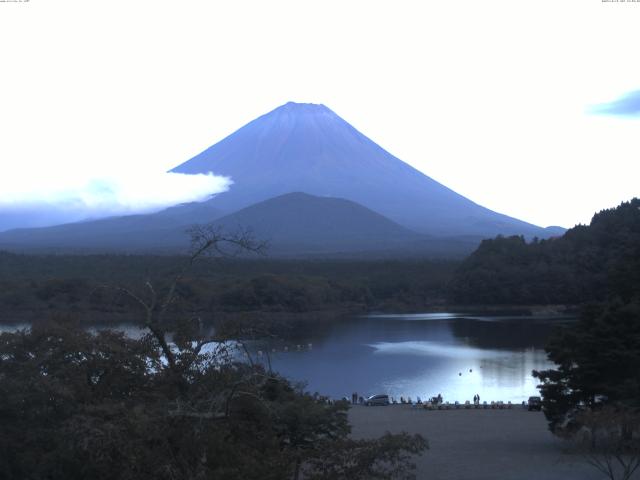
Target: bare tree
609,440
188,339
206,240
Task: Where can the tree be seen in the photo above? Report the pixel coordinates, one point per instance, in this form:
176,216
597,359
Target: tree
597,358
205,240
609,440
593,397
586,264
175,403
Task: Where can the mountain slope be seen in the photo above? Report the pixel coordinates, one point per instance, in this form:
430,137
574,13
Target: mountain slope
294,224
298,222
301,148
308,148
157,231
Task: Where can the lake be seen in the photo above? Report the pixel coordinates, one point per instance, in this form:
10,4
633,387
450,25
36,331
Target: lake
421,355
456,355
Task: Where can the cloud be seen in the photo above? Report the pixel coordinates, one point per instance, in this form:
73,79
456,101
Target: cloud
627,106
28,200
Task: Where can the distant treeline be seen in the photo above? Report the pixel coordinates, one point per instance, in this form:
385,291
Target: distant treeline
589,263
36,285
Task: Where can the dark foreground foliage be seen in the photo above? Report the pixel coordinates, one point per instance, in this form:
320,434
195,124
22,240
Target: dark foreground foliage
76,405
598,362
592,396
598,358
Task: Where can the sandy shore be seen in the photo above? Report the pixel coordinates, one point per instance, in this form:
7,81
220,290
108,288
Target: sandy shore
477,444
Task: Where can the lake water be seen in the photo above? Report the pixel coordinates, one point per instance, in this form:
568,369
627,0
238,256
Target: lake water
414,355
422,355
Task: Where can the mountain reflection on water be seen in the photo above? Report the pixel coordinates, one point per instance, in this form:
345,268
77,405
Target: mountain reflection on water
422,355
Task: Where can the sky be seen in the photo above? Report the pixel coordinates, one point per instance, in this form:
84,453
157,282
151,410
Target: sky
530,108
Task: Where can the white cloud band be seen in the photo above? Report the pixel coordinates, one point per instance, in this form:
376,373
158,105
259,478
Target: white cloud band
72,197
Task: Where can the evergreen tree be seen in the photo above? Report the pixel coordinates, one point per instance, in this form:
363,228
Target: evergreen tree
598,360
587,264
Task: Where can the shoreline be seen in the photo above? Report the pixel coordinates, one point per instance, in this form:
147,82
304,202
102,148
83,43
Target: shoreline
534,310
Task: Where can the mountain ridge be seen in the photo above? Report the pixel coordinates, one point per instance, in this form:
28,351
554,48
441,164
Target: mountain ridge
342,177
309,148
294,225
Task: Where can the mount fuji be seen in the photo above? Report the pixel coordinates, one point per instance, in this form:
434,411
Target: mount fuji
303,147
296,161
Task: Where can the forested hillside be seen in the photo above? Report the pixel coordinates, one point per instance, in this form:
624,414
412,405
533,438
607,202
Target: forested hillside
34,287
588,263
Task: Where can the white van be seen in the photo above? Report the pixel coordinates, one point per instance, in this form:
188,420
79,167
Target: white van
377,400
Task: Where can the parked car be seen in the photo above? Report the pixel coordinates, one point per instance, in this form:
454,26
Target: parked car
534,403
377,400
